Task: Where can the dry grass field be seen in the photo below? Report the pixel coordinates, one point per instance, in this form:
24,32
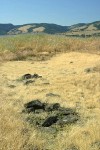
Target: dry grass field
73,74
44,46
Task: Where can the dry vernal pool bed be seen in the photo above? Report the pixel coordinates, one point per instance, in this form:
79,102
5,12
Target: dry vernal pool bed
71,81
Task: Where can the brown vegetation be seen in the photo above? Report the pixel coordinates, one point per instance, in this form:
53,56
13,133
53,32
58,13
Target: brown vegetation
42,47
74,76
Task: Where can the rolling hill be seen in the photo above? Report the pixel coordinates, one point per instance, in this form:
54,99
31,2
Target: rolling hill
80,29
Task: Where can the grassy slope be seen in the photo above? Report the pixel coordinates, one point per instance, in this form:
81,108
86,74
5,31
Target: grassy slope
77,89
85,30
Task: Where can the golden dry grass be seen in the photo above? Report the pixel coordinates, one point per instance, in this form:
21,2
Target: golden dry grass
67,77
83,33
43,46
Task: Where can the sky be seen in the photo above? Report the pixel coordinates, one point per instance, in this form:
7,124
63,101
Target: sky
62,12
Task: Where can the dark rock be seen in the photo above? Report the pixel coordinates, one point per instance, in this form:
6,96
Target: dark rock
29,76
49,107
34,105
28,82
26,76
36,76
52,107
45,115
56,106
49,121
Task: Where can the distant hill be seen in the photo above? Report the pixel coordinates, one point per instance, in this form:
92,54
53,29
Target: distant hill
80,29
5,28
38,28
83,29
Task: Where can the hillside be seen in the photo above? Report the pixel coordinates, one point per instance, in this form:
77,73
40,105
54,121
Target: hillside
80,29
4,28
83,29
33,28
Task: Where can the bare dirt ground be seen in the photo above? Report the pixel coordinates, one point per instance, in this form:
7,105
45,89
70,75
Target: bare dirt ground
75,77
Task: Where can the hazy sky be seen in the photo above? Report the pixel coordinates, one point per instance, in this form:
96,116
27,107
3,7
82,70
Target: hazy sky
63,12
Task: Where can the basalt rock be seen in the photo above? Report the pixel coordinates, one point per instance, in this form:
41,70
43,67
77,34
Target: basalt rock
34,105
28,82
46,115
26,76
36,76
49,121
52,107
29,76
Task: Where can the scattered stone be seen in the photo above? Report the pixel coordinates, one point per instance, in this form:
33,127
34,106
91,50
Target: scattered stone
29,76
52,107
49,121
36,76
46,115
28,82
26,76
56,106
34,105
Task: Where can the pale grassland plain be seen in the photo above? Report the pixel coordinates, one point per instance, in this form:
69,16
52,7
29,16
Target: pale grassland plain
66,76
